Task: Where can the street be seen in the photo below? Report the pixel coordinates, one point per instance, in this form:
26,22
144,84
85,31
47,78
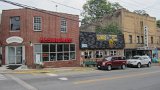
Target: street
129,79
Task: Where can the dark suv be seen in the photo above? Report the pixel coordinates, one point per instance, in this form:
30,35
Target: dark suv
109,62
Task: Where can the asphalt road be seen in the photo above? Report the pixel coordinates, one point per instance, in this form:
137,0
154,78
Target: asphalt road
128,79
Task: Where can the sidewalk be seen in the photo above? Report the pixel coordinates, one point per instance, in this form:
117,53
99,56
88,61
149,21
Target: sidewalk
48,70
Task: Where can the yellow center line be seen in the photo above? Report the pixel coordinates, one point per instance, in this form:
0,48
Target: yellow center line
112,78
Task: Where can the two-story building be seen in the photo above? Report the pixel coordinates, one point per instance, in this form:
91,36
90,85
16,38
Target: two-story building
34,36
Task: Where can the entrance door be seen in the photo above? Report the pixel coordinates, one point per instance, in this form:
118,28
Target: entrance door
15,55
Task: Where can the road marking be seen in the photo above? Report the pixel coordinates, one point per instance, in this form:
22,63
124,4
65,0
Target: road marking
24,84
2,77
50,74
63,78
115,77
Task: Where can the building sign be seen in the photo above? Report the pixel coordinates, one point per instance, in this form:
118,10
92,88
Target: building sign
101,37
145,36
55,40
84,45
14,39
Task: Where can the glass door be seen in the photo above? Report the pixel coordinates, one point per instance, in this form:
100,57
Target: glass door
15,55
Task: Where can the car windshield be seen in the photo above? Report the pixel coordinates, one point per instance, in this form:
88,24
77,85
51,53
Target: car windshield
107,58
135,58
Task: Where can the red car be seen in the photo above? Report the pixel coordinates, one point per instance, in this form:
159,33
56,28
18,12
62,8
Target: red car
109,62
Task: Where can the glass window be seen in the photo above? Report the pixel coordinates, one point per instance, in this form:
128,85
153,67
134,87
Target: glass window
37,23
15,23
53,56
72,47
52,47
59,56
63,25
45,56
54,52
45,48
99,54
72,55
66,56
38,48
59,48
66,47
113,52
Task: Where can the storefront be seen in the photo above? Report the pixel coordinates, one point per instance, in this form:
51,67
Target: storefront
36,37
95,46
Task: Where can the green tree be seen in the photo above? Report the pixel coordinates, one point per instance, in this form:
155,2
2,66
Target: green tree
158,23
95,9
109,29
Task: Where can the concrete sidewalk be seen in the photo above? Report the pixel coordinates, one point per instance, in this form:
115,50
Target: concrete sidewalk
48,70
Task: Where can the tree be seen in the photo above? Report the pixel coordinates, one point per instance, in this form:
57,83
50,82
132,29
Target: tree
95,9
141,12
109,29
158,23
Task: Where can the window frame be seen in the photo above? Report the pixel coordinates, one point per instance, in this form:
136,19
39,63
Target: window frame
56,52
17,30
40,24
63,25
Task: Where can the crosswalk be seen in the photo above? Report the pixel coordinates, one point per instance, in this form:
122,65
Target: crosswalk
2,77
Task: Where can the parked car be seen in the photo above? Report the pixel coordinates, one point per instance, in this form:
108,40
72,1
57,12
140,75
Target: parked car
138,61
109,62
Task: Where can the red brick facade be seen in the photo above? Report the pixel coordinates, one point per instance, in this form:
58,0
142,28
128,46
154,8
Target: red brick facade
50,29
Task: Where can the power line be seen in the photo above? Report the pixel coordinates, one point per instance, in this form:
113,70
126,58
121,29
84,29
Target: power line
67,6
36,9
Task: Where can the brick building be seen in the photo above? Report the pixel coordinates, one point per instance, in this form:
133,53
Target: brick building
137,40
37,36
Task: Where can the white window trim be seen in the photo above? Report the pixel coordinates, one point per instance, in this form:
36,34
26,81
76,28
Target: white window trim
40,25
63,26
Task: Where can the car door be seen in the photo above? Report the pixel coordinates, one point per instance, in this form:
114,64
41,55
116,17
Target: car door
142,60
115,62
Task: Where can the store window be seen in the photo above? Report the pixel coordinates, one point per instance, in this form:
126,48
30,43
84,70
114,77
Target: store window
63,25
54,52
99,54
15,23
88,54
37,23
113,52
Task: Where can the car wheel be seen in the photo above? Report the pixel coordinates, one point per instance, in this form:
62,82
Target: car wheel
109,67
139,65
149,64
123,66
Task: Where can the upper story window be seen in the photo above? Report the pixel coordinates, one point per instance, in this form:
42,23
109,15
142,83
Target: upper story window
15,23
142,39
37,23
151,40
130,38
63,25
138,39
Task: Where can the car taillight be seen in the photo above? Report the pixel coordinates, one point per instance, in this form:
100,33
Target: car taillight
103,64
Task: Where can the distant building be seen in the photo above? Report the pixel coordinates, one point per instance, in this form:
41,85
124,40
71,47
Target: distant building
139,31
39,37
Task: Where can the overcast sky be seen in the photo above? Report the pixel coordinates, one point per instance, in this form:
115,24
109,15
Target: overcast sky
152,7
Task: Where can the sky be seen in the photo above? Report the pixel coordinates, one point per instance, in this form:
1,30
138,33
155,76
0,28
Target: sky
152,7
